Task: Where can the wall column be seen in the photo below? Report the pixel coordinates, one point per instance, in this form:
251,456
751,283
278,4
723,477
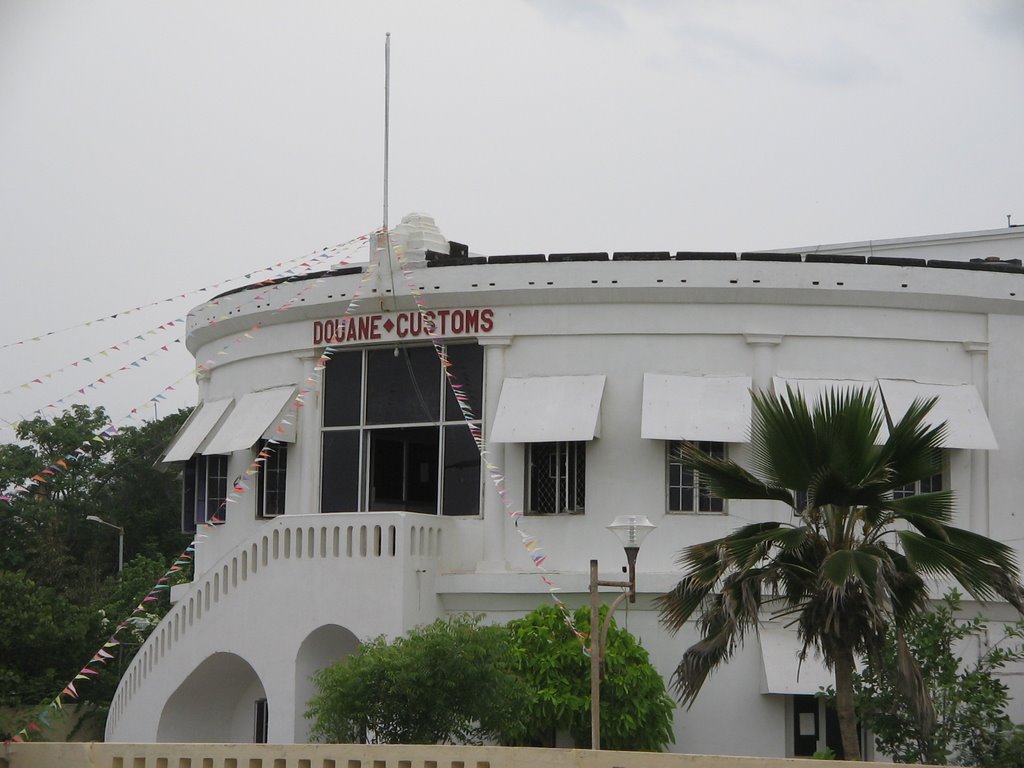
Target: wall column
494,522
764,358
307,441
978,350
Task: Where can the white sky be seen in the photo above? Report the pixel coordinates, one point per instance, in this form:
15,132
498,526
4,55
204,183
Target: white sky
152,148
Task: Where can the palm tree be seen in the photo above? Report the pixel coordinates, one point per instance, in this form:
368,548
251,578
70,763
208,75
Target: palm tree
853,559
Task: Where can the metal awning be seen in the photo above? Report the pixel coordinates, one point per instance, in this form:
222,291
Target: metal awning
548,409
255,416
782,671
696,408
959,405
195,430
813,389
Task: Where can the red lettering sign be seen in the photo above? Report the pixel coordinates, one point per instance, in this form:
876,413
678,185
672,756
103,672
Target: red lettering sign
412,324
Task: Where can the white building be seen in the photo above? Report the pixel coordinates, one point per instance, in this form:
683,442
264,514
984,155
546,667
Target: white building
374,514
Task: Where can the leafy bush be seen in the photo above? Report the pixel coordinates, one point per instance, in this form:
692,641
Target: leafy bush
970,723
459,682
636,711
449,682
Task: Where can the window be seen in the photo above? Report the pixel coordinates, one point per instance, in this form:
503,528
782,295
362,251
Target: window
261,716
927,485
556,477
271,476
205,490
687,490
394,437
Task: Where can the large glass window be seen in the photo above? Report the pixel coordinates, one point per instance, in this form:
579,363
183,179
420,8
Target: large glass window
687,490
394,437
556,477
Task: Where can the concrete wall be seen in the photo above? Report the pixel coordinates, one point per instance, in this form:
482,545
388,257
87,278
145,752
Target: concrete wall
356,756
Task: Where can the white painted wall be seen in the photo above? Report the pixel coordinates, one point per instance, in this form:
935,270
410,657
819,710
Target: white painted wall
619,319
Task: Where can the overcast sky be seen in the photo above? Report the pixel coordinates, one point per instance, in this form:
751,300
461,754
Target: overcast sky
148,149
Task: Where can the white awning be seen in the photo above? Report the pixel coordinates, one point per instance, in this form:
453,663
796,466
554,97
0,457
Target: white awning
781,669
195,430
548,409
696,408
256,415
959,405
813,389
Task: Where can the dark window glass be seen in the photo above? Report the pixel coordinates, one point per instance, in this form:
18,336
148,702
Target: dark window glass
403,469
461,472
188,496
402,388
262,722
339,486
687,491
216,487
557,477
271,477
343,379
927,485
468,369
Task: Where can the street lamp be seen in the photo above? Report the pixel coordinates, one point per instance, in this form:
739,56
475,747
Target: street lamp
631,530
120,538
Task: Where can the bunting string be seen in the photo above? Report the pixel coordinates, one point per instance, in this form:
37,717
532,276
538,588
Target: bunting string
307,261
105,352
530,542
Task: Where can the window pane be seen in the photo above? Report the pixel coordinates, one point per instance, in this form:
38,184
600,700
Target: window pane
343,389
271,477
339,478
403,469
188,497
216,487
468,368
557,477
402,389
461,473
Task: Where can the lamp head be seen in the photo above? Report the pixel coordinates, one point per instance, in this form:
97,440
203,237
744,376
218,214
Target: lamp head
631,529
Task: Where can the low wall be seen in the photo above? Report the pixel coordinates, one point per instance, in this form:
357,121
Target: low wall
100,755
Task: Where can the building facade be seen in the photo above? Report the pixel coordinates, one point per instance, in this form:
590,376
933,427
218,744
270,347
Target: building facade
350,498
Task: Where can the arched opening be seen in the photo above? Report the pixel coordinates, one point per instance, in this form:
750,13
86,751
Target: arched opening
216,703
321,648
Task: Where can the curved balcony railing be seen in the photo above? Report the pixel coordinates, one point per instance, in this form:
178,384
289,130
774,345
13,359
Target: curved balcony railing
348,538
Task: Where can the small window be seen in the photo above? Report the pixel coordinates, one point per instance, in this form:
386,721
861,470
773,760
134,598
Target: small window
927,485
261,726
556,477
271,477
204,491
687,490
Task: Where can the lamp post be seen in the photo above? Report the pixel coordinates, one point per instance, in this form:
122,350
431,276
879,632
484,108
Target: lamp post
631,530
120,539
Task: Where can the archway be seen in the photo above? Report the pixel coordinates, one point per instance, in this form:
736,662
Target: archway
216,703
321,648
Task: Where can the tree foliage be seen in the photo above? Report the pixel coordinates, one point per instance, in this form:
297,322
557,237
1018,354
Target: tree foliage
851,563
449,682
636,711
61,594
971,725
458,681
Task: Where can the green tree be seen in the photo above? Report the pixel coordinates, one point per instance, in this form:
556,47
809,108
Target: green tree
850,564
971,725
449,682
636,711
66,566
43,642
